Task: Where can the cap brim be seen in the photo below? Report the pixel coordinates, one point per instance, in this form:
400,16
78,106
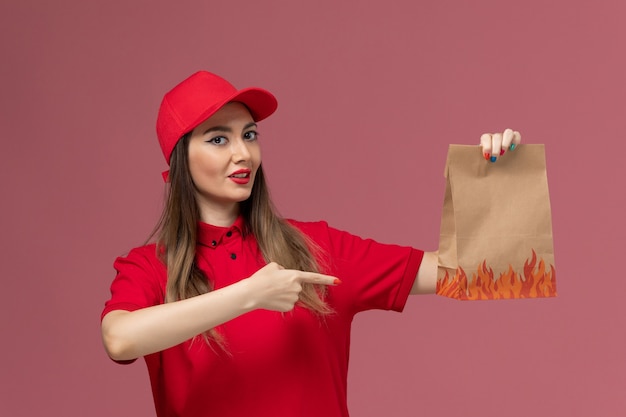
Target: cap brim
260,102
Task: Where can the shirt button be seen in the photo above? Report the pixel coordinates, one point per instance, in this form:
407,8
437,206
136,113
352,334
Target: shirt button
229,233
213,243
233,256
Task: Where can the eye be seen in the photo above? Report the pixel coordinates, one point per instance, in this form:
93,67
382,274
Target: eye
251,135
218,140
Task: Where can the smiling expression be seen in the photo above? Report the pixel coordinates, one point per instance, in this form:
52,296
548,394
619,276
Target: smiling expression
224,156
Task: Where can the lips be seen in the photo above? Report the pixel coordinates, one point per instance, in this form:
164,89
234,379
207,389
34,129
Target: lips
241,176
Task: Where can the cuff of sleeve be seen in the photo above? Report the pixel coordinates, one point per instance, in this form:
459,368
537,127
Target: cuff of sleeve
410,273
118,306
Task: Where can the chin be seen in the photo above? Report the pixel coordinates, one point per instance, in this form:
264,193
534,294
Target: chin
242,197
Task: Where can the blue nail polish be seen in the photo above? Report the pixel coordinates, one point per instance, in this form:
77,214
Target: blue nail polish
512,146
493,159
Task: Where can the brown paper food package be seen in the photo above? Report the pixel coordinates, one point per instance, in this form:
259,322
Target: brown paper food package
496,226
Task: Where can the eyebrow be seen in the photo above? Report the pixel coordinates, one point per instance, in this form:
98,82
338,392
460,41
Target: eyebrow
227,128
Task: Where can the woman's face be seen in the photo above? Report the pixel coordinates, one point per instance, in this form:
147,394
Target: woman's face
224,156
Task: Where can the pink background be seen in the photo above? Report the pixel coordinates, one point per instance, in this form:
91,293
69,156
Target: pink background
371,93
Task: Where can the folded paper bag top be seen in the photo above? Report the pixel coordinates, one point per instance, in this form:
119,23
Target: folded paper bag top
496,226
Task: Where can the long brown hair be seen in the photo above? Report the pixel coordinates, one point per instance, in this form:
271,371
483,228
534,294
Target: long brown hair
176,234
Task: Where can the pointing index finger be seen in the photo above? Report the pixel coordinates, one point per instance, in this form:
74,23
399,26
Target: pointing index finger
316,278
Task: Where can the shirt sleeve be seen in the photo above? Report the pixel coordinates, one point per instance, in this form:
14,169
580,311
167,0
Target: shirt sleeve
139,283
374,275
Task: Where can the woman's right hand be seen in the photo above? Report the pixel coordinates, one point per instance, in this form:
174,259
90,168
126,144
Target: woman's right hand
278,289
131,334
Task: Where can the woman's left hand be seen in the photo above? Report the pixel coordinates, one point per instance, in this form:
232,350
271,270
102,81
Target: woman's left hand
496,144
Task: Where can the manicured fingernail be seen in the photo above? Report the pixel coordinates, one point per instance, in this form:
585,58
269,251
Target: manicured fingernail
502,152
337,281
493,159
486,155
512,146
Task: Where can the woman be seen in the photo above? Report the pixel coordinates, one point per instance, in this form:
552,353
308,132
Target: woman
237,311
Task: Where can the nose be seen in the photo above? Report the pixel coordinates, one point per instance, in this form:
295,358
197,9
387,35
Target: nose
240,151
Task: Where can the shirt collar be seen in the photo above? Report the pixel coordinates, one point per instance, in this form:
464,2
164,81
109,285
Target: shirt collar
212,236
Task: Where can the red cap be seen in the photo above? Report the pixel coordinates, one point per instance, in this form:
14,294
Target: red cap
197,98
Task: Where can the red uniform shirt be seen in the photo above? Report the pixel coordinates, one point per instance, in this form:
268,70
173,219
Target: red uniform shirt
291,364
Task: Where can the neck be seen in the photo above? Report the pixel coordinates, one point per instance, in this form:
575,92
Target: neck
219,216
